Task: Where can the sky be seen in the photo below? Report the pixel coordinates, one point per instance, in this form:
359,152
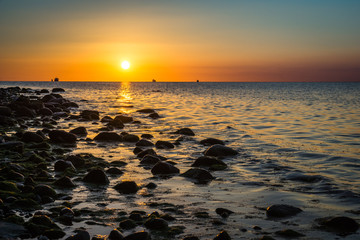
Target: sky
167,40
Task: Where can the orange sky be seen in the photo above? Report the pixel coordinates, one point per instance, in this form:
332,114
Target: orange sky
179,41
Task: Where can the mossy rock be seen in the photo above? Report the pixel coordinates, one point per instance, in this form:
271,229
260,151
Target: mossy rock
15,219
25,204
9,186
39,224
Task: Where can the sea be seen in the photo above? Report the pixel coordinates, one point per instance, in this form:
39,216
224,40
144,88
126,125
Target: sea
299,144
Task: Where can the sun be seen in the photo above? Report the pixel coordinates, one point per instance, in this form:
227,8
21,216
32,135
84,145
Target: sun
125,65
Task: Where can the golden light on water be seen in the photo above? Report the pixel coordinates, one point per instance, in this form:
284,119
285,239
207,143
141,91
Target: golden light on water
125,65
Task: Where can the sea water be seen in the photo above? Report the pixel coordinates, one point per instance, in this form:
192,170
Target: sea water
299,144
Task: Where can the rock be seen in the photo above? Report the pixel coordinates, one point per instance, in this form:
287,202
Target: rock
108,137
90,115
289,233
282,210
146,110
64,182
32,137
190,238
211,141
57,90
138,236
223,212
185,131
15,146
44,190
156,224
223,235
60,136
154,115
144,143
114,171
45,112
80,235
164,168
207,162
149,160
116,123
9,186
218,150
22,111
130,138
124,119
146,152
96,176
151,185
127,224
115,235
5,111
147,136
77,161
137,150
61,166
137,217
164,145
79,131
127,187
341,225
198,174
106,119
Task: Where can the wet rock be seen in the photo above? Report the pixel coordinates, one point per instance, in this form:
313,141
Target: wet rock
114,171
66,216
96,176
341,225
44,190
106,119
164,168
60,136
144,143
124,119
211,141
130,138
80,235
9,186
15,146
5,111
43,225
205,161
45,112
137,150
185,131
223,212
156,224
22,111
138,236
115,235
90,115
147,136
154,115
57,90
77,161
223,235
61,166
289,233
282,210
116,123
108,137
146,110
79,131
64,182
151,185
149,160
164,145
32,137
127,187
146,152
198,174
127,224
191,238
218,150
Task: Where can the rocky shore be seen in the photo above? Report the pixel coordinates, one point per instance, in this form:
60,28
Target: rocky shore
39,172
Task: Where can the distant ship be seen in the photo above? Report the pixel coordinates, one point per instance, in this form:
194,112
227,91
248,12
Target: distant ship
55,80
153,80
197,81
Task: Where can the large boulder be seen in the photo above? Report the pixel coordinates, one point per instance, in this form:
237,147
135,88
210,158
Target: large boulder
198,174
164,168
60,136
127,187
282,210
108,137
96,176
219,150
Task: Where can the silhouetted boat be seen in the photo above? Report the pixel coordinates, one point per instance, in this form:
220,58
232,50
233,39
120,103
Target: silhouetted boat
153,80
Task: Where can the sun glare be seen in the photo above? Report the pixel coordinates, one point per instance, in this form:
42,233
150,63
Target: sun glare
125,65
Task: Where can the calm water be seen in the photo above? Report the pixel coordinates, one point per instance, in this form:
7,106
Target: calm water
283,130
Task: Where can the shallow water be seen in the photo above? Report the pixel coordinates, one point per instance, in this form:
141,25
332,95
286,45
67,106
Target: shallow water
283,131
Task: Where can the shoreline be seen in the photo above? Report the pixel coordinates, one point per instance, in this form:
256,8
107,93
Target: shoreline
42,158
